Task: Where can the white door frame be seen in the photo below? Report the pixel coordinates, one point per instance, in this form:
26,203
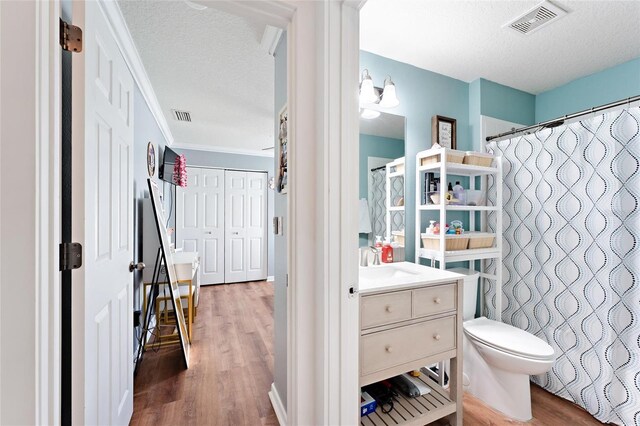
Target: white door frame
323,40
30,123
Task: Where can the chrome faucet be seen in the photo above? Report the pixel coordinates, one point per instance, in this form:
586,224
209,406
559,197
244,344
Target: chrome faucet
376,255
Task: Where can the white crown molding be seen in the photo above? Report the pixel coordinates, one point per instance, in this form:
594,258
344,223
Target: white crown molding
278,406
223,149
132,58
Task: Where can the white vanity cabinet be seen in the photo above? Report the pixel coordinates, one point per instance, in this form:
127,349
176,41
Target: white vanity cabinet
404,328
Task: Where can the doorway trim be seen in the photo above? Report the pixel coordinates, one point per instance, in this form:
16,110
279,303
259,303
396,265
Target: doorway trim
323,40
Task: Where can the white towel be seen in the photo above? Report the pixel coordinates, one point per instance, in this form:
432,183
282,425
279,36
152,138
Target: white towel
365,219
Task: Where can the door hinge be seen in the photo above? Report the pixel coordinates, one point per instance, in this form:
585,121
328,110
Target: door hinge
70,256
70,37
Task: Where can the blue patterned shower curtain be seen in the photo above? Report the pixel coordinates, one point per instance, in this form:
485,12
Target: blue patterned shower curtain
571,271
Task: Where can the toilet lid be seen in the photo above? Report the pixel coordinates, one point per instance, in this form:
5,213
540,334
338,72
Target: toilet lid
508,338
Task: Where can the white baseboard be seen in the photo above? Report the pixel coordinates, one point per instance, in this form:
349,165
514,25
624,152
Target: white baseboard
276,403
270,278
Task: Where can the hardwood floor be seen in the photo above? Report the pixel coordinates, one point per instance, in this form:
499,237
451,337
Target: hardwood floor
232,371
548,410
231,365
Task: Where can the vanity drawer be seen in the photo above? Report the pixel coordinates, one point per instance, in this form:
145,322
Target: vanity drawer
396,346
384,309
434,300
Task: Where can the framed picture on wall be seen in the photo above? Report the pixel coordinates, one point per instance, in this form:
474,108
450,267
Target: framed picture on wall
283,143
443,131
151,159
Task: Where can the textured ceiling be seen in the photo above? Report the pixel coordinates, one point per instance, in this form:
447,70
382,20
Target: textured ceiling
208,63
465,39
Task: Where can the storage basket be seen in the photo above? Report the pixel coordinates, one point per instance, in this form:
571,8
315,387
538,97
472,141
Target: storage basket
475,197
398,237
478,159
451,242
433,156
478,240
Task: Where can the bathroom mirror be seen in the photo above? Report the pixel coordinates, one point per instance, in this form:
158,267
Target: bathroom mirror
382,182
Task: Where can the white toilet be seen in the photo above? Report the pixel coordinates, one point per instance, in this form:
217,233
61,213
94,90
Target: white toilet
499,358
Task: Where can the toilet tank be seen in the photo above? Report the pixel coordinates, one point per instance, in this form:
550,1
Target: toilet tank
469,292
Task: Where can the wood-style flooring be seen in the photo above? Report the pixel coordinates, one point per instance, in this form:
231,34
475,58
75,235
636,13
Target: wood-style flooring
231,364
232,370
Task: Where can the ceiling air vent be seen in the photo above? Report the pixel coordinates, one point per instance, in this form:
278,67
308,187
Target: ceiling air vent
541,15
181,115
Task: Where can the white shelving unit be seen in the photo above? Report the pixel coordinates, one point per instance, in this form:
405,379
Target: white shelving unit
395,169
442,256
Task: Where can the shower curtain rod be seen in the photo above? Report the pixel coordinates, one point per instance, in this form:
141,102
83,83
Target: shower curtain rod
560,120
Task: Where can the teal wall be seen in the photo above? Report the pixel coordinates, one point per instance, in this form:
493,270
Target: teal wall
375,146
610,85
422,94
506,103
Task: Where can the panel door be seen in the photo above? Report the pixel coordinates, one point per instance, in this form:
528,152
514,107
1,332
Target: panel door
103,221
200,221
256,230
236,226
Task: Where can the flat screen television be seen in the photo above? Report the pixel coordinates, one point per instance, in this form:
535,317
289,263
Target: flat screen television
166,168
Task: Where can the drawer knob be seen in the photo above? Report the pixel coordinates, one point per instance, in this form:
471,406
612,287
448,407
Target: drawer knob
436,336
388,348
388,308
437,300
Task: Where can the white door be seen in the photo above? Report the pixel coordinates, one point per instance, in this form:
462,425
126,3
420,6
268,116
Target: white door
200,221
103,221
235,226
256,230
246,226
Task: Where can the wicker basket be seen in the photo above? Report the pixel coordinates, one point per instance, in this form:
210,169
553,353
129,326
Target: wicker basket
433,156
451,242
478,240
478,159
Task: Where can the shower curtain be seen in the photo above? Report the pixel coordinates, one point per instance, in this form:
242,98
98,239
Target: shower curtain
571,256
378,203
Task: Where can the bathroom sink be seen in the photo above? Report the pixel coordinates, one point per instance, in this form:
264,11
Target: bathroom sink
400,274
386,271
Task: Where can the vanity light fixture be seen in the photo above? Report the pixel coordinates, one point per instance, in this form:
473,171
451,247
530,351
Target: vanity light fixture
389,98
369,94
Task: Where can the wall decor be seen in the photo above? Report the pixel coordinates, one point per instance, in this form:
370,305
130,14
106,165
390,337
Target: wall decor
180,171
283,141
151,159
443,131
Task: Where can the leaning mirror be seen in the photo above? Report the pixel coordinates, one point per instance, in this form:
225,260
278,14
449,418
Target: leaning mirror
382,180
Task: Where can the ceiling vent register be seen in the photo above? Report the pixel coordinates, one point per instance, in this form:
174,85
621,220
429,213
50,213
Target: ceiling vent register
182,115
540,16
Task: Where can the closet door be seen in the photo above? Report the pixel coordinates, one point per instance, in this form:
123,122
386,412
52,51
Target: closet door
246,226
236,226
256,226
200,221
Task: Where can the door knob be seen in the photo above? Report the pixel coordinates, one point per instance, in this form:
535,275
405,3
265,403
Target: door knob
234,233
209,232
136,266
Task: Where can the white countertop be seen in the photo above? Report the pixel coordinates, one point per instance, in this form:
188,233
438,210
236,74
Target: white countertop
401,275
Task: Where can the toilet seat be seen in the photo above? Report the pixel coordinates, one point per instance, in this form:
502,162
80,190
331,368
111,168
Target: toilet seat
509,339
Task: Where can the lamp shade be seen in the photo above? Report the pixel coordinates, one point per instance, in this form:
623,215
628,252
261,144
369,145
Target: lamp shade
367,91
389,98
